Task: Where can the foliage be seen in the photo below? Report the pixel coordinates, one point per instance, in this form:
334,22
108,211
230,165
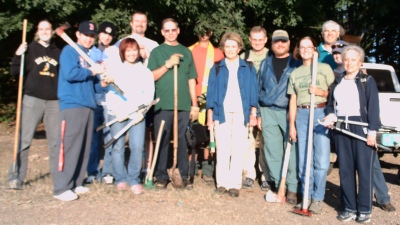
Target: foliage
8,95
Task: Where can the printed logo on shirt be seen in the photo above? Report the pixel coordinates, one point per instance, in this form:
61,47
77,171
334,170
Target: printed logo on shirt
48,62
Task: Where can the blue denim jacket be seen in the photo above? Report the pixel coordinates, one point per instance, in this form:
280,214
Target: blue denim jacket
218,84
272,93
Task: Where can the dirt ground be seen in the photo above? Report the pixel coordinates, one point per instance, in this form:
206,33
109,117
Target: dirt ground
105,205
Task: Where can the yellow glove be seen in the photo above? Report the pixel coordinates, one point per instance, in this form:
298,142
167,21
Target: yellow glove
173,60
194,113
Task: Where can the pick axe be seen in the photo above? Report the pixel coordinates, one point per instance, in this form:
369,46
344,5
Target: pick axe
60,32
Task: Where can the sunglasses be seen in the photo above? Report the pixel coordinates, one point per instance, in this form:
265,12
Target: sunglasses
338,46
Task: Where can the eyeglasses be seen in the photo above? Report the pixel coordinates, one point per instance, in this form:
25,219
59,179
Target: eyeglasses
306,48
170,31
338,46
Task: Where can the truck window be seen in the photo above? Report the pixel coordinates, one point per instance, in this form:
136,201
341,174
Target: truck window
383,79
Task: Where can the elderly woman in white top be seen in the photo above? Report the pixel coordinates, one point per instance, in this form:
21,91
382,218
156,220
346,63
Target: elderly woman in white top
232,104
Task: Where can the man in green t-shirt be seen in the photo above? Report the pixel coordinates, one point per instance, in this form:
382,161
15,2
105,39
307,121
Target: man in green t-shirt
161,62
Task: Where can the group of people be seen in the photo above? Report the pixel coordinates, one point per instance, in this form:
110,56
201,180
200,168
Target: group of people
261,89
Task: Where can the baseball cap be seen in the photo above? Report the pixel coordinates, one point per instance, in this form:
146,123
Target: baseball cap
108,28
87,27
338,46
280,35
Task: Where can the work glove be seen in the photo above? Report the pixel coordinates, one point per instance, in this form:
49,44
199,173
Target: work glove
173,60
136,116
194,113
21,49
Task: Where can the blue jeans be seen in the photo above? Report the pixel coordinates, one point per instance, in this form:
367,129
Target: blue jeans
380,187
320,153
107,161
95,148
131,173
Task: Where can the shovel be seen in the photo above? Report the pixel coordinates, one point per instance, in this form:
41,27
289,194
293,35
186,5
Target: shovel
304,211
173,172
149,178
280,197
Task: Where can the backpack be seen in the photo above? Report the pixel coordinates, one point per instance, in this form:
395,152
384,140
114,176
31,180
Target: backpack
247,55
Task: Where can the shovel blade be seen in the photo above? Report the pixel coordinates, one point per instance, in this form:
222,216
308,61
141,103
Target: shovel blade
175,177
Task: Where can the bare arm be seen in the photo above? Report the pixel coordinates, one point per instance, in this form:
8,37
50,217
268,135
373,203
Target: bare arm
292,117
192,91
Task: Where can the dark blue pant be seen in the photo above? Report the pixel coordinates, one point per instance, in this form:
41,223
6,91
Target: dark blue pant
355,156
182,158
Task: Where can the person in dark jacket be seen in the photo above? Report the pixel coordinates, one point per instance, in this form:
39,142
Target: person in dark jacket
39,96
273,82
351,100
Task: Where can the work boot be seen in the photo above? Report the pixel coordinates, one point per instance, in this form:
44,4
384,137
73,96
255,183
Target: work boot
234,192
221,190
209,180
388,207
291,198
248,183
265,186
188,185
161,184
315,207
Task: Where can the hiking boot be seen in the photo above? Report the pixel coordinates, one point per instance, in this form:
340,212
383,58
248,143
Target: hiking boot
300,205
221,190
388,207
265,186
66,196
346,216
315,207
291,198
81,190
161,184
122,186
137,189
248,183
108,179
188,185
363,218
234,192
209,180
15,184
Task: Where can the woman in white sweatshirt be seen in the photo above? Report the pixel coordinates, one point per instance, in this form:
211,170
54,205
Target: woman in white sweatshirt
137,82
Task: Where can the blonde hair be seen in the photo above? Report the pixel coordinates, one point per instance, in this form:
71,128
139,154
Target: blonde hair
230,35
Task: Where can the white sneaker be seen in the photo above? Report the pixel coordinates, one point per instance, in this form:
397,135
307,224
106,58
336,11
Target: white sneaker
66,196
108,179
81,190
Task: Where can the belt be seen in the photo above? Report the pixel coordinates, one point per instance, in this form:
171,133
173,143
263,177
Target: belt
319,105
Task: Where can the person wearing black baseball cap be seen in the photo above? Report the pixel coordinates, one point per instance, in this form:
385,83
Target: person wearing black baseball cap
337,49
104,50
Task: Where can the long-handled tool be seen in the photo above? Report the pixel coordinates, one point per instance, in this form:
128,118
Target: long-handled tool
280,197
61,154
126,128
304,211
143,106
149,178
60,32
337,127
173,172
19,99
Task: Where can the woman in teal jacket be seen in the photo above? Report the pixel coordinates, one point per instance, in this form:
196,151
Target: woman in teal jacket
231,105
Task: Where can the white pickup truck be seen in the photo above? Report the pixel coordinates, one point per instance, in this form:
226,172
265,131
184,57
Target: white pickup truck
389,103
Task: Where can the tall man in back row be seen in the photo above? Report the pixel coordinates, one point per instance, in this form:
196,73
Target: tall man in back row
161,63
273,82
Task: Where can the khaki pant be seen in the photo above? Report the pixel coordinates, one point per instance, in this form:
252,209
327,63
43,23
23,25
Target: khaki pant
231,140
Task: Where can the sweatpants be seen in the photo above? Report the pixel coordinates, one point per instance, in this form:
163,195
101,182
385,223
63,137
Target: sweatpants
355,157
77,139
